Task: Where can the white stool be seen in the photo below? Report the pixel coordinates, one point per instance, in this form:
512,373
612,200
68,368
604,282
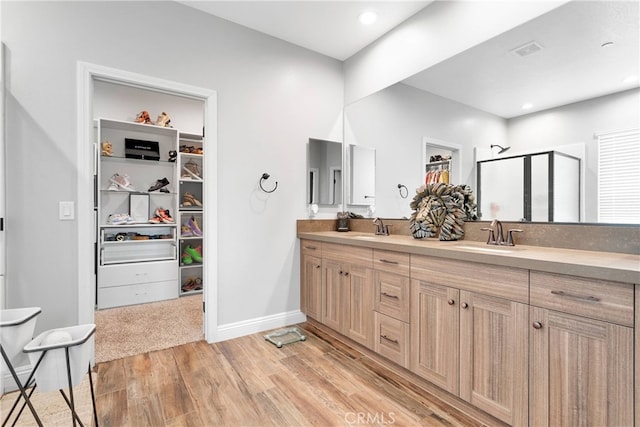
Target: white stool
60,356
16,329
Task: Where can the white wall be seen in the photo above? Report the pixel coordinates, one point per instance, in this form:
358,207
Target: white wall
394,122
272,96
575,125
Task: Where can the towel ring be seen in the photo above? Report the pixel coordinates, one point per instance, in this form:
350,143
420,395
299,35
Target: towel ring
266,176
404,193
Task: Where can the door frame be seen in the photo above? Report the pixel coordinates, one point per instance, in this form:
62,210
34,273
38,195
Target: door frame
86,74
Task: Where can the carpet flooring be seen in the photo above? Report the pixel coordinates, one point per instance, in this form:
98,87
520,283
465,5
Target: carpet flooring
136,329
51,407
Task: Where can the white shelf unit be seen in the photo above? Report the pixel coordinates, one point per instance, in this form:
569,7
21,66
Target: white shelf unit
191,181
137,263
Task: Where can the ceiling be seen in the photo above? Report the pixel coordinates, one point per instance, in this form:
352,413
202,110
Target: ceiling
329,27
571,66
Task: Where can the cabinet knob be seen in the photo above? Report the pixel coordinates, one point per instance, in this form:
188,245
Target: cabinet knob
464,305
451,301
317,266
537,325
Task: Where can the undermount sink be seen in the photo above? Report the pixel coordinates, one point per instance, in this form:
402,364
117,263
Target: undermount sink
365,237
487,249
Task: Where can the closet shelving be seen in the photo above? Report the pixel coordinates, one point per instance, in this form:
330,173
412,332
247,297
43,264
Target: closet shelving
191,210
137,259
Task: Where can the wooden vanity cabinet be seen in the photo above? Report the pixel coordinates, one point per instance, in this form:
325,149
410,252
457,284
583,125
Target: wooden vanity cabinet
467,337
581,364
347,291
311,279
391,337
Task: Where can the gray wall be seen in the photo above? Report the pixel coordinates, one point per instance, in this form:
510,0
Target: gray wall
272,96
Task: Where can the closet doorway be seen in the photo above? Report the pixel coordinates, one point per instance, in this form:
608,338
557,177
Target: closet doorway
121,96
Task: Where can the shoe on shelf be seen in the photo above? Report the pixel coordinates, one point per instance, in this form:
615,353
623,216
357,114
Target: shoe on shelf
194,227
193,283
186,231
159,185
163,120
194,253
107,149
119,182
188,199
186,258
120,219
164,216
197,150
191,170
143,117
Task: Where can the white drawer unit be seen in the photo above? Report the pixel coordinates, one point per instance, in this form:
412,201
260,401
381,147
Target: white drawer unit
132,274
118,296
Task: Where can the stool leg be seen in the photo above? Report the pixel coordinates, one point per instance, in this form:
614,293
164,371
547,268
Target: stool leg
93,397
23,393
73,408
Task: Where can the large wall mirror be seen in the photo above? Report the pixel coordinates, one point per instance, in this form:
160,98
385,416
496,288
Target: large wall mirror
574,65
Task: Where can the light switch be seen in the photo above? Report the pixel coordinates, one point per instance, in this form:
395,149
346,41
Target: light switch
66,211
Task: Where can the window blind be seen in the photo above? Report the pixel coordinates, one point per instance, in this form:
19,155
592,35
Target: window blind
619,176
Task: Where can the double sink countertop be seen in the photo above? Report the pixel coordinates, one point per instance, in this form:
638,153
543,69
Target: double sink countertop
611,266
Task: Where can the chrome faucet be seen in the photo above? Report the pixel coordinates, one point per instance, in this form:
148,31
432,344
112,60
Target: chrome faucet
496,228
381,229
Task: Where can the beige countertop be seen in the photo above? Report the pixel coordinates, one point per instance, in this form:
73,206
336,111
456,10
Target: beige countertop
591,264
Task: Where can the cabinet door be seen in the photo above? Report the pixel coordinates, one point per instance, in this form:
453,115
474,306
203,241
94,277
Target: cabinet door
493,356
358,314
435,334
333,293
581,371
311,289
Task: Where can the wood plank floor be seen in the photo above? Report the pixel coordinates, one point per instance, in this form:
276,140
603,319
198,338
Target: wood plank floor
250,382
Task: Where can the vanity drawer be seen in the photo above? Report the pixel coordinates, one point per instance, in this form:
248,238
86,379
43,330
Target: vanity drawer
348,254
310,247
597,299
392,295
502,282
392,262
391,339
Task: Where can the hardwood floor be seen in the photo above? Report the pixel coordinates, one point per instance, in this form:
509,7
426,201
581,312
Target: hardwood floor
250,382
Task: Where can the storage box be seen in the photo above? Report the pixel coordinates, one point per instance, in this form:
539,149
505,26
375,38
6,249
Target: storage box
16,330
141,149
52,372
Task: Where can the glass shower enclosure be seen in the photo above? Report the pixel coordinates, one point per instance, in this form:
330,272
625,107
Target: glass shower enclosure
538,187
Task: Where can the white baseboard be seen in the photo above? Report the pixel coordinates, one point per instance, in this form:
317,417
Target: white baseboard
259,324
8,384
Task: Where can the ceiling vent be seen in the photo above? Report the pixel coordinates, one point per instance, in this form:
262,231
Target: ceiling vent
527,49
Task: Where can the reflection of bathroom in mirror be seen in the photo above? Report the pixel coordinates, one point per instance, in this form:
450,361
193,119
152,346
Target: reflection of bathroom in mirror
362,175
324,172
441,162
540,187
581,84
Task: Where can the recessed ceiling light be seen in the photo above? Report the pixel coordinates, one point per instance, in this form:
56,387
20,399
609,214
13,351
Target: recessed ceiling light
368,17
527,106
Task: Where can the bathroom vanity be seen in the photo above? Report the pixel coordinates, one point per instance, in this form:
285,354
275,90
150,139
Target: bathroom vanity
530,335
